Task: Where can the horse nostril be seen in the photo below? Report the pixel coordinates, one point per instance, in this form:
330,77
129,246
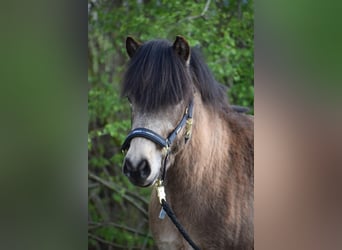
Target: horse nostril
144,169
141,171
128,167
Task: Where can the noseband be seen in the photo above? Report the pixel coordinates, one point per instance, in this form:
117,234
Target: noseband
165,143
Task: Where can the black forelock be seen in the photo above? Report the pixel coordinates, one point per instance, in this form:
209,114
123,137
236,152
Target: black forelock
157,77
213,93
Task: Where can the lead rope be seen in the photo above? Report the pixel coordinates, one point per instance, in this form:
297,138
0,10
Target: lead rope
180,228
166,207
168,210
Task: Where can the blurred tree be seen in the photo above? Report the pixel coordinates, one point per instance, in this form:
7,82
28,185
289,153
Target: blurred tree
222,30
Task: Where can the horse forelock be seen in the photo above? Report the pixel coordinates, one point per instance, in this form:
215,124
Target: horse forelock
157,77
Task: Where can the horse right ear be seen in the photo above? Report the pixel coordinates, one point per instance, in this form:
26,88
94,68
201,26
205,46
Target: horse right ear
131,46
182,48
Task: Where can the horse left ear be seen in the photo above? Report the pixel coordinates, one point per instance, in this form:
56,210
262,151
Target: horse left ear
182,48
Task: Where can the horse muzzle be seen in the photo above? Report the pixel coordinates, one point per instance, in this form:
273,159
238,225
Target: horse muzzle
139,173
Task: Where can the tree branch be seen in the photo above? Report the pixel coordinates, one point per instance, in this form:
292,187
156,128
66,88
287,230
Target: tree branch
103,241
206,7
94,225
112,187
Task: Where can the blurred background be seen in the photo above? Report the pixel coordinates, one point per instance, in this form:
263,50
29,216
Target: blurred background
45,118
224,33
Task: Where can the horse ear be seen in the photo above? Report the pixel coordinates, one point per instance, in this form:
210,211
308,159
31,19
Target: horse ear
182,48
132,46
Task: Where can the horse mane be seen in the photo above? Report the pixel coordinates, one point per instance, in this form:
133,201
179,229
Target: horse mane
213,93
157,77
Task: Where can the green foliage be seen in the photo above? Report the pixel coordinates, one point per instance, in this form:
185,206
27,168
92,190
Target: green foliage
223,32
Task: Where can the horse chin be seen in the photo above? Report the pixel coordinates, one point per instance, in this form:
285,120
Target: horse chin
151,183
145,184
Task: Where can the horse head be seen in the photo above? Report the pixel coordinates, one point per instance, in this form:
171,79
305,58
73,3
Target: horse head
157,84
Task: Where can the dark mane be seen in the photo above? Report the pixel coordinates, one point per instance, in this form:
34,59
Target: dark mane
212,92
157,77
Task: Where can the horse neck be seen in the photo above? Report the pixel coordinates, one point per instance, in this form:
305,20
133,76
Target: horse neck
201,160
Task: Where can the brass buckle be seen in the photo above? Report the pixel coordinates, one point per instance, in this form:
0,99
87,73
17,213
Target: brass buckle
160,191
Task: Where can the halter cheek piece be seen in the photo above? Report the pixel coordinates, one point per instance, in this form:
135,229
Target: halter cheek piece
165,143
